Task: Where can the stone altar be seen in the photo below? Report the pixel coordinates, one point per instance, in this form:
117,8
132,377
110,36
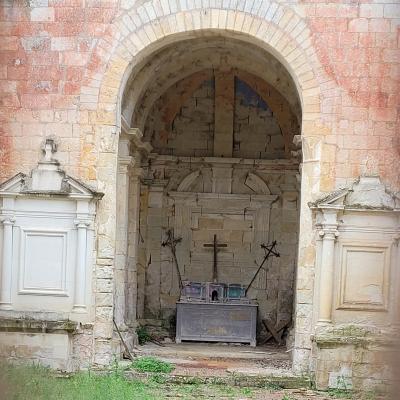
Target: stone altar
216,322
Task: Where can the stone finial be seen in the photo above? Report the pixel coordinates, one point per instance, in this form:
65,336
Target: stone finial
49,147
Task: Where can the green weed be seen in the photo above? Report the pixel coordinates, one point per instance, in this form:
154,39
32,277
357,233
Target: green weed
287,397
246,391
151,364
273,387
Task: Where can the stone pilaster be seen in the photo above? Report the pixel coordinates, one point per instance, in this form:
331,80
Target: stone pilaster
81,263
6,268
123,181
328,233
133,242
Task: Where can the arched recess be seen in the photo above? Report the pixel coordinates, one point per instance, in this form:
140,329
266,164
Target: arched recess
139,32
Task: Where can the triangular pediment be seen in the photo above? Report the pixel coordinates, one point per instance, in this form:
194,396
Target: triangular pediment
21,184
47,179
367,192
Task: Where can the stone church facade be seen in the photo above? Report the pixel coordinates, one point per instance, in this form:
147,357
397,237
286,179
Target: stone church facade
255,121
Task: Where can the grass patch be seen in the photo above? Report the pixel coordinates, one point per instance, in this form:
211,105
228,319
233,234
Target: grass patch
39,383
151,364
340,393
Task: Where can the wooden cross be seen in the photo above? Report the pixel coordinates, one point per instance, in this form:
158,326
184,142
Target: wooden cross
171,242
215,245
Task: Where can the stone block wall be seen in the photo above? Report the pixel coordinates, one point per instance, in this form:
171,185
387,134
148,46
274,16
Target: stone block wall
192,130
256,132
51,350
181,122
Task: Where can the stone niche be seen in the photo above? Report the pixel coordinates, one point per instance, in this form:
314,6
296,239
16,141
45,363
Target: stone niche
46,260
357,304
244,203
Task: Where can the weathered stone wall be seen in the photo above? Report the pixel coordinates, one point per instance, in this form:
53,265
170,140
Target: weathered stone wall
256,132
51,350
52,51
353,357
191,132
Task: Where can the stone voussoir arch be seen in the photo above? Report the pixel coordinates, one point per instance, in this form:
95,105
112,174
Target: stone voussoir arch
139,31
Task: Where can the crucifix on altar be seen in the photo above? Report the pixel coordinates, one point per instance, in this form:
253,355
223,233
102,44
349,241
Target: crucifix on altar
215,245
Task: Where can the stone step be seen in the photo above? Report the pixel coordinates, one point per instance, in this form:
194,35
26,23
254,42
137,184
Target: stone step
233,379
202,351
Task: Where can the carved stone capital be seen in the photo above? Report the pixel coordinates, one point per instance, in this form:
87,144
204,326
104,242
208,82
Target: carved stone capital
82,223
137,174
329,232
8,220
125,164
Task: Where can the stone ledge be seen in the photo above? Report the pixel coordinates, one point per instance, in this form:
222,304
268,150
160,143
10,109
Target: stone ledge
35,325
354,335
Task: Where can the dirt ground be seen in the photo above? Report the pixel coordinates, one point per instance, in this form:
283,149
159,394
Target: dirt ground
189,392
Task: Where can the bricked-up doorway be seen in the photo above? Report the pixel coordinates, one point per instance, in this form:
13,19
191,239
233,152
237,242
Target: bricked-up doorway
207,149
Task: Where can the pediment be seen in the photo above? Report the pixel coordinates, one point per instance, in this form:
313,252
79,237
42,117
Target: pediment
21,184
367,192
47,179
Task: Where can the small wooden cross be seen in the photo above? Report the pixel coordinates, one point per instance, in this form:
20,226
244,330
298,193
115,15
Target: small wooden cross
171,242
215,245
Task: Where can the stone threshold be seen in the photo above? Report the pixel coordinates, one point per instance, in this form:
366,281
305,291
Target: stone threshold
233,379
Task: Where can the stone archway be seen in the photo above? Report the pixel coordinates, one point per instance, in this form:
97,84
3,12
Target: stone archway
137,34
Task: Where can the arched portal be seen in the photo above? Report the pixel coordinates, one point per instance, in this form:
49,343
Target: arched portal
140,34
208,129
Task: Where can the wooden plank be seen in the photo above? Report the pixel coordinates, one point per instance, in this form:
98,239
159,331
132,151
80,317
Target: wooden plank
275,332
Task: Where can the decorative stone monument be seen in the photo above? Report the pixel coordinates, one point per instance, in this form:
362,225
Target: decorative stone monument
46,259
358,283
